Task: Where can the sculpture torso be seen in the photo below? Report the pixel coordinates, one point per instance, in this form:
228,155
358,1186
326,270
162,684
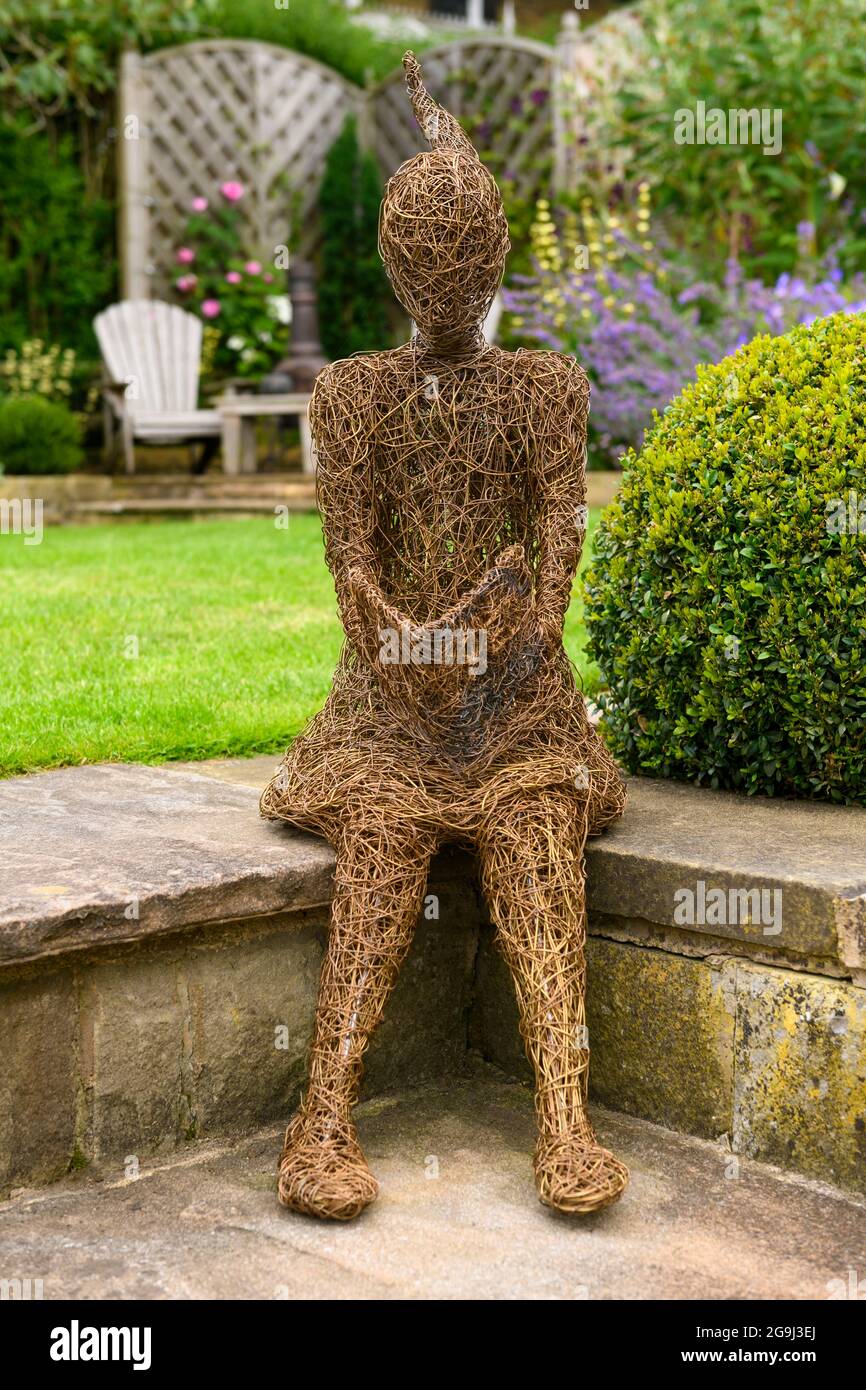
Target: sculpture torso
454,471
453,486
428,470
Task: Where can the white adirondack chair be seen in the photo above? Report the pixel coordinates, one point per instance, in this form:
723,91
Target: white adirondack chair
152,354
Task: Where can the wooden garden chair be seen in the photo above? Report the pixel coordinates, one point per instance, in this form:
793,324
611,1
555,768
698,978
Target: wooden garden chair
152,354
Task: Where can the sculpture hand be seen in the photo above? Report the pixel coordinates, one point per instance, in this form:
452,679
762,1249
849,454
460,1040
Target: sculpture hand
496,607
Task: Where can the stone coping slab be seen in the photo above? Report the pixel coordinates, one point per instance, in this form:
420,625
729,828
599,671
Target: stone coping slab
116,852
675,837
97,855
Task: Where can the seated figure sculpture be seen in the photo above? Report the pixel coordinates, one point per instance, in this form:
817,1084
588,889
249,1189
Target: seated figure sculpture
451,487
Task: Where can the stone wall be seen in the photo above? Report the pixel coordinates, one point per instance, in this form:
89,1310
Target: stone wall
160,946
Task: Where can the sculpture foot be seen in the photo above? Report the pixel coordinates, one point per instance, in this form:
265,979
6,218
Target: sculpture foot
575,1174
322,1170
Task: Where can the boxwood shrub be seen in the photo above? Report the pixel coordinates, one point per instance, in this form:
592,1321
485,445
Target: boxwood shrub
726,603
38,436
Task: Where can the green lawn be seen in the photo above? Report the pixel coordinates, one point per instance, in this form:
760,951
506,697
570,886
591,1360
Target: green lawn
234,623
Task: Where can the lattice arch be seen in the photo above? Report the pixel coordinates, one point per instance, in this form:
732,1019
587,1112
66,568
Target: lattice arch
502,89
196,115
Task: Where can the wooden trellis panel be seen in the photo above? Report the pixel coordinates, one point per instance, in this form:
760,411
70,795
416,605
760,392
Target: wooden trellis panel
592,66
194,116
203,113
501,88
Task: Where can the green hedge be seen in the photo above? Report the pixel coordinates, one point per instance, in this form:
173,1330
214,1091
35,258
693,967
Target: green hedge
56,271
322,29
726,605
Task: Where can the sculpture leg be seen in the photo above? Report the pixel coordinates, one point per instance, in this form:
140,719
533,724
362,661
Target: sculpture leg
533,878
379,885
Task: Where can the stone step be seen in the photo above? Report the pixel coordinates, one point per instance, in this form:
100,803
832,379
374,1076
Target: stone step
456,1218
194,507
159,950
96,497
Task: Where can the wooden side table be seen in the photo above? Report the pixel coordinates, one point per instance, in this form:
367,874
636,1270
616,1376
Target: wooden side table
239,414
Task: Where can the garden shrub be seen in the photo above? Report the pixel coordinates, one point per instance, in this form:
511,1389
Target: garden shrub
38,436
799,58
55,268
352,287
726,604
243,302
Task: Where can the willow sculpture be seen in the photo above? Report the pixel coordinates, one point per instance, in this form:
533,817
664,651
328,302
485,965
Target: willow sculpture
451,486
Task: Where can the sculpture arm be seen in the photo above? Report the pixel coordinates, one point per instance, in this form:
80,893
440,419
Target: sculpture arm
559,483
345,485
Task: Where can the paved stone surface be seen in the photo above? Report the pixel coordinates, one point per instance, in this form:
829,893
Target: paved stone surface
82,849
694,1223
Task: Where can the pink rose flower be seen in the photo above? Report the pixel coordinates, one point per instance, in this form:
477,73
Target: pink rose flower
186,283
199,204
234,277
253,268
268,277
232,191
210,308
185,255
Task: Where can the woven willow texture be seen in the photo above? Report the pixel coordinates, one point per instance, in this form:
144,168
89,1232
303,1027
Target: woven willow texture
451,485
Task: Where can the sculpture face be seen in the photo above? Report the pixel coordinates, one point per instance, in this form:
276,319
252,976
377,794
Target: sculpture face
444,238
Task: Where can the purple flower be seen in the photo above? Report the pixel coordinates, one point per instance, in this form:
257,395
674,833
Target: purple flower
639,357
689,295
539,96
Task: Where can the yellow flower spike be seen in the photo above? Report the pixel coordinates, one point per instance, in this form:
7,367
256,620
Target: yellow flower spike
585,314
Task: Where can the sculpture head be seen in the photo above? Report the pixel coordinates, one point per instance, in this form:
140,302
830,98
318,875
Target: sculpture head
442,229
